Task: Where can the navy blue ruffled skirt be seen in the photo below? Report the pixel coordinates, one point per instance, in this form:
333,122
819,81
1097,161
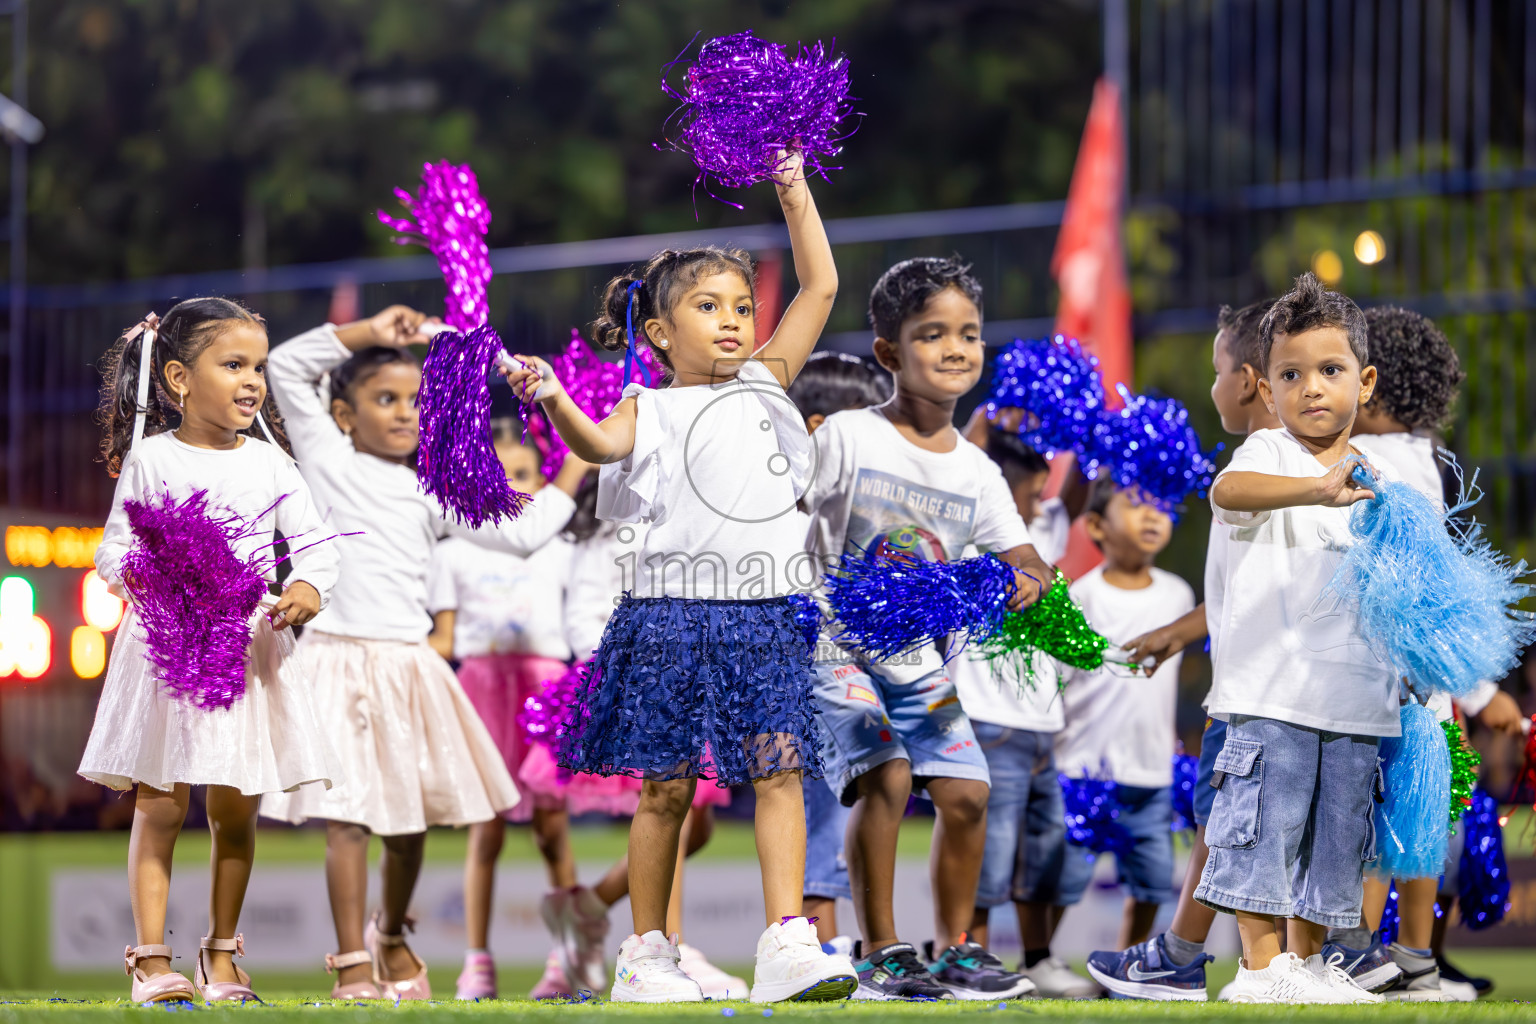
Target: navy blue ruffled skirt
685,688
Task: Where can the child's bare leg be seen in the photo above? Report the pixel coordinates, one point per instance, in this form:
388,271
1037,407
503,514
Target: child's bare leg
675,898
157,819
1136,923
346,881
1304,938
552,835
1374,903
1416,913
1261,943
485,842
614,885
398,870
232,824
825,913
780,831
1192,919
653,843
870,847
959,839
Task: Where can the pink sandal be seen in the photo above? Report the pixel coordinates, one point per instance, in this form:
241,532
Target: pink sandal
163,988
355,991
224,991
417,987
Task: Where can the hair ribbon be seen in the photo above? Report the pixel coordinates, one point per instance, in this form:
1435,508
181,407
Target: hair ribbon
632,349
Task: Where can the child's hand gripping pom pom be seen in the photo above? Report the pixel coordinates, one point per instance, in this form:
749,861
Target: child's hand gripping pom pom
1093,815
1057,384
594,384
1054,625
1148,445
194,594
457,462
745,102
887,605
1410,822
1437,605
1483,883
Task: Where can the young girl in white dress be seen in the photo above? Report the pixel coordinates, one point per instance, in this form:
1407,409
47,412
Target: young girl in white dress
414,750
194,383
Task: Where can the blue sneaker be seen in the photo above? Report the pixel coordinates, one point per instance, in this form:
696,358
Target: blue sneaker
1145,972
1372,968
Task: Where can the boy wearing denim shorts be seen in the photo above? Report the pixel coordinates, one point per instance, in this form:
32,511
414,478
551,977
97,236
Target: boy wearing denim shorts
1305,699
900,481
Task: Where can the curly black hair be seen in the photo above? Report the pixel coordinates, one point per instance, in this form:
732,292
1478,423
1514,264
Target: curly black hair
906,288
1418,373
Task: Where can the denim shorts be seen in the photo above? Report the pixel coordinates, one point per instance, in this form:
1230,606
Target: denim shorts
1026,823
1290,833
826,823
867,720
1146,870
1210,745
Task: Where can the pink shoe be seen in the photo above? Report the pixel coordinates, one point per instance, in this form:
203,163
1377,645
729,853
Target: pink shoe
591,918
553,984
163,988
356,991
416,987
478,979
224,991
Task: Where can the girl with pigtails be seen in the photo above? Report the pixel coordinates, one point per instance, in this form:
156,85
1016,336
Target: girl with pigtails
186,410
703,670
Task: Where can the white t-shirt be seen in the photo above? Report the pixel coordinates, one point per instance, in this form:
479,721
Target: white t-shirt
603,568
1120,724
248,481
503,604
716,470
875,491
996,698
1215,584
382,590
1288,650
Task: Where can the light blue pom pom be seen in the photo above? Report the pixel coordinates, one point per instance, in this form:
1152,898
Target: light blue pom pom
1410,821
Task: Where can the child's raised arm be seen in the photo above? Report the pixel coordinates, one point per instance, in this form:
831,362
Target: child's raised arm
807,314
609,441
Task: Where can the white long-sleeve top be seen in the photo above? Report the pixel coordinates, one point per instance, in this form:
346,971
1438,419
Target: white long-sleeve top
382,590
247,480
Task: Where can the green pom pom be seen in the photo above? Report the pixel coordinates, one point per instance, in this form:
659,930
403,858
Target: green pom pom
1464,765
1053,625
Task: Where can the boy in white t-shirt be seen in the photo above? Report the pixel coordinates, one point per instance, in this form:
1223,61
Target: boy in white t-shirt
1119,722
1304,696
900,480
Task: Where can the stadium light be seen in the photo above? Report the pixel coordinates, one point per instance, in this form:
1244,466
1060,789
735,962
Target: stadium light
26,643
101,609
87,652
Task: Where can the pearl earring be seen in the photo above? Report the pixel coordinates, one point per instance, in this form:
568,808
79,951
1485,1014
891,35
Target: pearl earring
663,343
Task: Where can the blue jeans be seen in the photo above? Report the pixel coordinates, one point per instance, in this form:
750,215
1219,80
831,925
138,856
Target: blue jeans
1210,745
826,823
1291,830
1147,870
1026,826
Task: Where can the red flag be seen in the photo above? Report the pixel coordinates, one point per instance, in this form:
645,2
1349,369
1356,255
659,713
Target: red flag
1089,267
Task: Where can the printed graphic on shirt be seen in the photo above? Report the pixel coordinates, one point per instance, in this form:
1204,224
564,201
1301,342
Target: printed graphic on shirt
892,516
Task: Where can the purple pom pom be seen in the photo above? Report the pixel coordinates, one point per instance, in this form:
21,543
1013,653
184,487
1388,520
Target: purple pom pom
1057,383
1484,876
594,384
1186,770
746,99
1093,813
448,216
457,461
194,595
546,715
1149,445
887,605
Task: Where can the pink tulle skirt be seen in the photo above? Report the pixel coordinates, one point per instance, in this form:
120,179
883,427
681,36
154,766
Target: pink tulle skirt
497,685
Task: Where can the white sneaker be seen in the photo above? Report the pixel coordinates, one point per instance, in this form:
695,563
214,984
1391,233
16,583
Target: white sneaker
713,982
792,965
1338,980
1457,991
841,945
1285,980
647,972
1055,980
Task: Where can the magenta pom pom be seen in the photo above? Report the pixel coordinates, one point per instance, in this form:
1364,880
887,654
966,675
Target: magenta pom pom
594,384
1057,383
193,594
1149,445
448,216
745,99
457,461
546,714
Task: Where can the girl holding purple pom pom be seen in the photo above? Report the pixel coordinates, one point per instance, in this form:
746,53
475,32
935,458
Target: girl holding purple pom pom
414,751
183,398
704,670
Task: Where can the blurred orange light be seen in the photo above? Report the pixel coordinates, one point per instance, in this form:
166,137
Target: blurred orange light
1328,267
101,608
87,652
68,547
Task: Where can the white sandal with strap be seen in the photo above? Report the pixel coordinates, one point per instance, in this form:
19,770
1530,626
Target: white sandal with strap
162,988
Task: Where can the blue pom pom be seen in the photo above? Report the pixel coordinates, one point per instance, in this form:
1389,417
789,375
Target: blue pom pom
1149,445
1093,813
807,617
1057,383
1410,821
1484,877
1389,918
1437,605
1186,770
888,605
